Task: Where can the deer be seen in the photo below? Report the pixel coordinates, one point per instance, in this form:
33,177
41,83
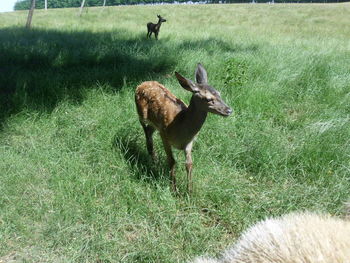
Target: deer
178,124
154,28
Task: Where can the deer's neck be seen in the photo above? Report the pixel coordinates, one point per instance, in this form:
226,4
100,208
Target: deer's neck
185,126
194,117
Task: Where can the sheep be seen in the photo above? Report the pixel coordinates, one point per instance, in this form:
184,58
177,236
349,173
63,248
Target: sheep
293,238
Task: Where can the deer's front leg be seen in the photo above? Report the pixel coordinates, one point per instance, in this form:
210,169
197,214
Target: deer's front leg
188,154
171,162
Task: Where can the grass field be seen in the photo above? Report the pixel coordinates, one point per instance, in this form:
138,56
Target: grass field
76,183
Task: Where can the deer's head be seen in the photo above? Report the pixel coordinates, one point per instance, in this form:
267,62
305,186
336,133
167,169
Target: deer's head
161,19
205,96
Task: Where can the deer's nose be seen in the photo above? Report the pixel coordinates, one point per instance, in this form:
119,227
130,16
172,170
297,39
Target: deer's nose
228,111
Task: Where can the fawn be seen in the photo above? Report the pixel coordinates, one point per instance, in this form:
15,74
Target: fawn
159,109
154,28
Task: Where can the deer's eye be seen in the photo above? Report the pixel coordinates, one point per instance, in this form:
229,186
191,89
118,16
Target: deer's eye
209,99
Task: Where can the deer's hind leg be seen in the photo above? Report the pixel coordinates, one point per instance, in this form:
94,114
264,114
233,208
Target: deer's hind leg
149,130
171,162
149,31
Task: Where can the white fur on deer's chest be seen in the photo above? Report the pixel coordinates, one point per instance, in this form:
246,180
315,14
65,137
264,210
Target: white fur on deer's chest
181,143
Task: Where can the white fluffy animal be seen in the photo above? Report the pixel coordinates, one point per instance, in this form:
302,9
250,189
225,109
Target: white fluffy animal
293,238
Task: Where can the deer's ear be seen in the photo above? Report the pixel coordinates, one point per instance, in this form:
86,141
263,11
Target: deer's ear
186,83
201,74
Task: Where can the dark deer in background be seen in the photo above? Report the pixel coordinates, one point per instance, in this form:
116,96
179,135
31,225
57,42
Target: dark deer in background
159,109
154,28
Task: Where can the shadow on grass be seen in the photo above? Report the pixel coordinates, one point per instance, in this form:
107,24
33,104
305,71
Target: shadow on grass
39,68
140,163
213,45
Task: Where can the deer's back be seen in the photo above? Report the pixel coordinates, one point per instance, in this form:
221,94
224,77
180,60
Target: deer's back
156,105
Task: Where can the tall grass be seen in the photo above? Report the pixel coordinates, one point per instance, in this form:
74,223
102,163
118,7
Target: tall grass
76,182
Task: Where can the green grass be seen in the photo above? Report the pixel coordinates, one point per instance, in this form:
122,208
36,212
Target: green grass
76,182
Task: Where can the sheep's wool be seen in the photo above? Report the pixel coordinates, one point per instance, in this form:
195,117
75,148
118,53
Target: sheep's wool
293,238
